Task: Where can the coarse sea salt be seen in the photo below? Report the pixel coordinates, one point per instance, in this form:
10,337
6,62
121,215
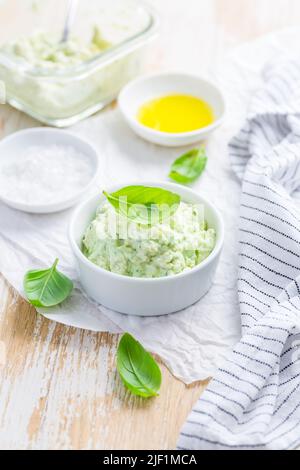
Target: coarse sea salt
45,174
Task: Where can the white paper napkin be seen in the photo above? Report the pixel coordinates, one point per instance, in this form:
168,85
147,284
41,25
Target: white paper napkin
194,342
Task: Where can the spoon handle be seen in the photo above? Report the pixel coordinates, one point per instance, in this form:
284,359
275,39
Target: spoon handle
71,13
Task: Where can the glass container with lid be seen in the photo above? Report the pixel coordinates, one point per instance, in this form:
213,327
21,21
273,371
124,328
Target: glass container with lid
60,84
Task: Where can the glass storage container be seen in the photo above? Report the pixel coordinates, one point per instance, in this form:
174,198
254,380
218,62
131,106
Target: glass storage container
63,94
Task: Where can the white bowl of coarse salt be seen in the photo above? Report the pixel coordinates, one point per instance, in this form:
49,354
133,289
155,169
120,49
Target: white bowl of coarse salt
44,170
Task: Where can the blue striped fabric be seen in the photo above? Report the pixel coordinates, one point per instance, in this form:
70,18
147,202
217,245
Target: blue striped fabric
254,400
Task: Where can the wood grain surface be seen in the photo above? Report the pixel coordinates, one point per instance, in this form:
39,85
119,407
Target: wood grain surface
58,385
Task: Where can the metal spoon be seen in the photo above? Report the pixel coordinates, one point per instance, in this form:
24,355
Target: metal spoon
71,13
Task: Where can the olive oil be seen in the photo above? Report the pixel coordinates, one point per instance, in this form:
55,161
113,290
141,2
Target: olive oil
176,114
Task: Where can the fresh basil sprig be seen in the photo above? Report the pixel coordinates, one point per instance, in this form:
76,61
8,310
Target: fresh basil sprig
144,205
139,372
47,287
187,168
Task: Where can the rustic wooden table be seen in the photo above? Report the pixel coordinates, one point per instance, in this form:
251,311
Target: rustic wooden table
58,385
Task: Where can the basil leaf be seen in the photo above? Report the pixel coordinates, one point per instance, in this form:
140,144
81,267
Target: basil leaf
137,368
187,168
144,205
48,287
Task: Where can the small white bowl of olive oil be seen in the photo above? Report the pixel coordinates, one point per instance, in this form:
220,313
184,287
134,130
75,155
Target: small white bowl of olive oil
172,109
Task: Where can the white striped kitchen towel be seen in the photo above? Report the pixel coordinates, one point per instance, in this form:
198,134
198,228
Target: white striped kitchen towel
254,400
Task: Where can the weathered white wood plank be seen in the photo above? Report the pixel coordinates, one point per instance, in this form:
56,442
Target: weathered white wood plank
58,386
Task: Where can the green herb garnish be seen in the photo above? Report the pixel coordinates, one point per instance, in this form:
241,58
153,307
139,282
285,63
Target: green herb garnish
137,368
144,205
187,168
48,287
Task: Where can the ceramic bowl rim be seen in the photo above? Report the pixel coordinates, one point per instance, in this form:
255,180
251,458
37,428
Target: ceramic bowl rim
65,203
172,186
171,135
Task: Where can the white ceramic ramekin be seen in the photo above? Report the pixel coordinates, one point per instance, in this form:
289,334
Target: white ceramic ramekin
148,87
145,297
14,145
